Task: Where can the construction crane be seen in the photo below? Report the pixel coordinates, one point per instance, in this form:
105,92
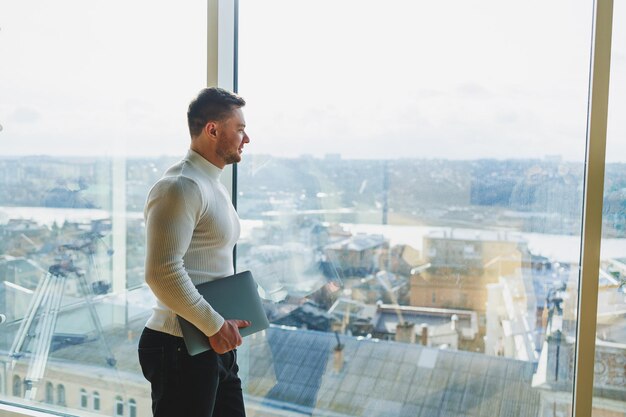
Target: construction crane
36,331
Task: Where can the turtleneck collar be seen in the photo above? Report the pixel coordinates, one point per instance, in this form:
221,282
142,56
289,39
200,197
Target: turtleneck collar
205,166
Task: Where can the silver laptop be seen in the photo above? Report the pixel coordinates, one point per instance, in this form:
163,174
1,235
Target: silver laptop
234,297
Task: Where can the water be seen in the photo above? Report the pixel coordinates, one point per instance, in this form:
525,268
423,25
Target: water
561,248
48,215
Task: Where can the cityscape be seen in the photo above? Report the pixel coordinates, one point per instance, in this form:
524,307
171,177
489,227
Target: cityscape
406,287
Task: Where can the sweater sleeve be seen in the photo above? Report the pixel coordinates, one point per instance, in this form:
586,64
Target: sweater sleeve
172,211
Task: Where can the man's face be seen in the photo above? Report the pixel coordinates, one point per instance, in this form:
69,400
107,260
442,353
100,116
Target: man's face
231,137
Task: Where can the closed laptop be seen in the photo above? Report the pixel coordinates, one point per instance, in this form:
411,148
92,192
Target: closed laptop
234,297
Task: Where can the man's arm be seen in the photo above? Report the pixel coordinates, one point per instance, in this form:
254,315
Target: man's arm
172,212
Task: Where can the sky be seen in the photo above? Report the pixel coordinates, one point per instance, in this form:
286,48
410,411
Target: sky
461,79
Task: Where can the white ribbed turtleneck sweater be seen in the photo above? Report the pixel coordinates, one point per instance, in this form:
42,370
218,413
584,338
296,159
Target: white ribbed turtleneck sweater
191,229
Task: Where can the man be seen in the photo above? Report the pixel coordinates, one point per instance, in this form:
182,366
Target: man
191,229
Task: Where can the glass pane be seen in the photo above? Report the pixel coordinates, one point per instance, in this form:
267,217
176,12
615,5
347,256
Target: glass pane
610,366
96,401
411,201
83,398
93,107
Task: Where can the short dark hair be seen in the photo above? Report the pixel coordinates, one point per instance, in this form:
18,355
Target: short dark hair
211,104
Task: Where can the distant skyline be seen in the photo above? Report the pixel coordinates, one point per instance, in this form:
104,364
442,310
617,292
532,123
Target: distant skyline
466,80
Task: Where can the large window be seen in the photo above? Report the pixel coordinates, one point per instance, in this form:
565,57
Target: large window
411,200
93,107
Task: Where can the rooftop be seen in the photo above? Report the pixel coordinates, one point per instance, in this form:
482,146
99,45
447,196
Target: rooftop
358,242
381,379
476,235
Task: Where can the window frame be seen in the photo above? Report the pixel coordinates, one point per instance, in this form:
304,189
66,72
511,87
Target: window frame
593,189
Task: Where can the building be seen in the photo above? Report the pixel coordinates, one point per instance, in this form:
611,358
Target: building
357,256
511,324
436,327
461,265
401,259
382,286
294,372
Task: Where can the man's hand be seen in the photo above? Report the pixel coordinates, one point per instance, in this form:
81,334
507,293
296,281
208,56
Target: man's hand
228,337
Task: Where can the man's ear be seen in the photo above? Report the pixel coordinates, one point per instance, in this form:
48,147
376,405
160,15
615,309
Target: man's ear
211,129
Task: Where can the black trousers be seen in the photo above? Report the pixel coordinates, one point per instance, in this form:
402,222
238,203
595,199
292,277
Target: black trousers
204,385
